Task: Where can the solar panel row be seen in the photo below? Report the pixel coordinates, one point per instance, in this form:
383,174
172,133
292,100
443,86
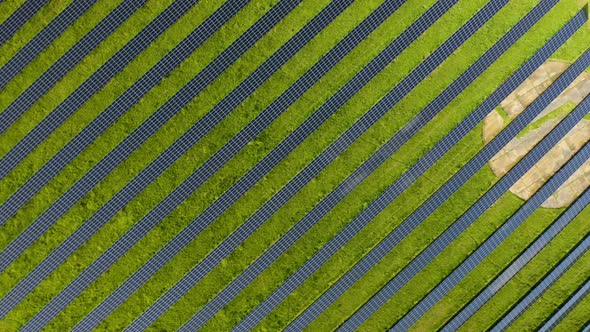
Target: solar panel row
180,100
255,174
499,281
103,121
40,42
15,21
432,203
540,288
511,224
566,308
64,64
92,85
304,272
318,23
312,170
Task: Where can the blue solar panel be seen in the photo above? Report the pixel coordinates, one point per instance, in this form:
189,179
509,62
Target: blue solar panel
313,169
92,85
114,111
230,196
296,279
566,308
509,226
16,20
492,288
540,288
43,39
178,101
65,63
434,201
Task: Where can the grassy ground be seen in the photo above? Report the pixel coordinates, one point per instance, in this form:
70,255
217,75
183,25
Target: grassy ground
7,8
247,204
531,273
30,29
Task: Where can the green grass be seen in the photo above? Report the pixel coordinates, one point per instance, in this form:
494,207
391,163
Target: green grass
31,28
531,273
256,149
577,318
7,8
54,51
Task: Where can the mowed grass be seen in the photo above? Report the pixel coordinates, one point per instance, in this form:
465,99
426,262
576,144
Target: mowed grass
531,273
54,51
403,206
7,8
248,63
254,152
31,28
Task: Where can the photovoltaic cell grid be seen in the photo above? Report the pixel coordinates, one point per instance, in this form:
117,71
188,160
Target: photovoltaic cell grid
566,308
101,123
15,21
262,73
430,205
64,64
172,60
540,288
45,37
116,251
413,173
91,86
318,164
230,196
499,281
509,226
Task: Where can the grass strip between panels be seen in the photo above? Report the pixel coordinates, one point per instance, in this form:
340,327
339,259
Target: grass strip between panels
533,272
55,50
31,28
78,75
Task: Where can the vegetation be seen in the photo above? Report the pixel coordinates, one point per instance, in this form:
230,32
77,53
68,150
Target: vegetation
309,196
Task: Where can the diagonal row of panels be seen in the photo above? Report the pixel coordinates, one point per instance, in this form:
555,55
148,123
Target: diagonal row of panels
234,146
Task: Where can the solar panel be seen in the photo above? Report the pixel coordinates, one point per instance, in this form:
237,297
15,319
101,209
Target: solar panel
532,250
509,226
43,39
179,101
65,63
437,198
91,85
566,308
304,272
15,21
307,174
115,111
230,196
542,286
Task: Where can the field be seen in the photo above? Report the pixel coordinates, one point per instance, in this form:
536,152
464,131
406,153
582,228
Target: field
209,164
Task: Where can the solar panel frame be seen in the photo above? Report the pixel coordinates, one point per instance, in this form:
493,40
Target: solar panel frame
511,224
410,223
17,19
519,263
67,62
42,40
305,271
91,86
